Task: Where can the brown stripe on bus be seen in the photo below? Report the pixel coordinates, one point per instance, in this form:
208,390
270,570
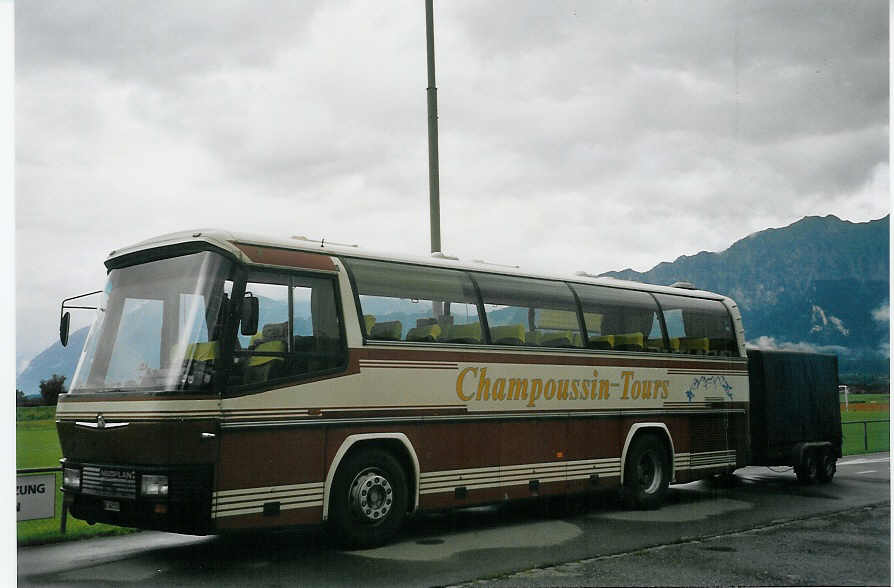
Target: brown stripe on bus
287,257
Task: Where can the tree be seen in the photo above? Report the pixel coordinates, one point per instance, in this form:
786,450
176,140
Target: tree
51,389
20,397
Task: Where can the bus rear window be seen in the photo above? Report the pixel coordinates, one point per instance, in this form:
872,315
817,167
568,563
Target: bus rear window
698,326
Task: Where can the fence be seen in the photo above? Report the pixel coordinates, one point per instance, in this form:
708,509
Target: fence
25,471
866,433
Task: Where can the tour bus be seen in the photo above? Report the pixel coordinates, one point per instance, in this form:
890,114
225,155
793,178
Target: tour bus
232,381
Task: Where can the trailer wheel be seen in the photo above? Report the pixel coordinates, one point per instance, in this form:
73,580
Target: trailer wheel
827,467
369,499
646,473
808,470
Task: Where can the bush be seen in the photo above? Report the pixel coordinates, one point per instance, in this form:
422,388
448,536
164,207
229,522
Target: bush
51,389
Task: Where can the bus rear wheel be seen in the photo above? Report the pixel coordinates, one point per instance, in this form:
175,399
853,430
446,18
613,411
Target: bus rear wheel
369,499
808,470
646,473
827,465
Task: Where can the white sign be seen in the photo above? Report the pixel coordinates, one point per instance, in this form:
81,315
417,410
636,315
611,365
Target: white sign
35,497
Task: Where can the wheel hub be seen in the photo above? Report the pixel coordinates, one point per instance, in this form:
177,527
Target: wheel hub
371,496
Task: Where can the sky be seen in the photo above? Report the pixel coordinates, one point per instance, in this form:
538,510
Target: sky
573,135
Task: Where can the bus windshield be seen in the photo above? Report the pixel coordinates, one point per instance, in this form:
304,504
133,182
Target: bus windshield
157,327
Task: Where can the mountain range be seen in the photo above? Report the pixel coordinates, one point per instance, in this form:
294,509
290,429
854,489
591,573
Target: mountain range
819,284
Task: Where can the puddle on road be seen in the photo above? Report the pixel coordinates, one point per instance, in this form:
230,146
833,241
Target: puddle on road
720,548
679,513
546,533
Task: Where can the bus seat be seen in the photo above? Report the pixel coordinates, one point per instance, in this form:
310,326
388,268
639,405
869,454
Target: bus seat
387,331
368,321
267,347
655,344
695,345
206,351
270,332
261,368
674,344
629,341
603,342
464,333
508,335
197,360
556,339
275,331
429,333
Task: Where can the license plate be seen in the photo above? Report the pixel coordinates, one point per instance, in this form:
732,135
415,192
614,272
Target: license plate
111,505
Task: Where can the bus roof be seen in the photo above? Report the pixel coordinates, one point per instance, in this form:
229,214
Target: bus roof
228,241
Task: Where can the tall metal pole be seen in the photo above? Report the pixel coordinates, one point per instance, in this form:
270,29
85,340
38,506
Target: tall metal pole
432,91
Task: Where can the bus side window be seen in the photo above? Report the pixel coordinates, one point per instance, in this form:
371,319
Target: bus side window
400,302
531,312
288,345
317,342
262,356
620,320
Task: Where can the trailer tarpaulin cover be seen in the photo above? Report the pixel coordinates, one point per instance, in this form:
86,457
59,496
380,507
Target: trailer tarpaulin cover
794,398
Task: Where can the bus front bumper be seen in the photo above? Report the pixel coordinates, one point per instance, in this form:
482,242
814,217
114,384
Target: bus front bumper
176,499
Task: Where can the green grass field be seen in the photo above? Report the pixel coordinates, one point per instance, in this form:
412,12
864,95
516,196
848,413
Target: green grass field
37,446
877,434
865,398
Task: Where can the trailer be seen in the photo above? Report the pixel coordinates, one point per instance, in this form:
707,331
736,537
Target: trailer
795,415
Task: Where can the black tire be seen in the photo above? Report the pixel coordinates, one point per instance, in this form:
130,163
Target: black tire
827,466
647,473
368,503
808,470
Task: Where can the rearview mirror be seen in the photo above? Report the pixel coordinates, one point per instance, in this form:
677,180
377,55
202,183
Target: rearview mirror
248,315
64,323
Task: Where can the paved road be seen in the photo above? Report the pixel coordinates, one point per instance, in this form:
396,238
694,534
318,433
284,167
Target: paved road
816,551
766,518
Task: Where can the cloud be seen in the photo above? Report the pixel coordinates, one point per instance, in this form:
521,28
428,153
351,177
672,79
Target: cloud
572,136
881,314
818,315
771,344
157,43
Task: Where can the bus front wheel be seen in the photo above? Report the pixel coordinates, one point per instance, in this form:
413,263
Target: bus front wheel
369,498
646,473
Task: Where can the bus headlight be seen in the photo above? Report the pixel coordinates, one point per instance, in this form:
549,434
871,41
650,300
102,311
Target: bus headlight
152,485
71,478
